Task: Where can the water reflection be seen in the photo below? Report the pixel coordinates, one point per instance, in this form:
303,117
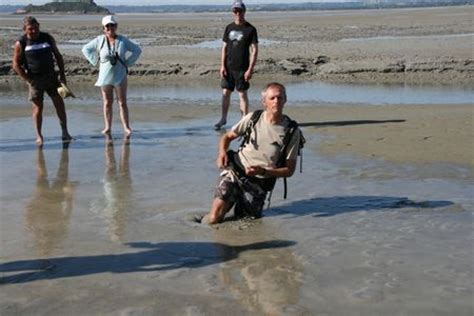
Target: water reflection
268,280
117,189
49,210
303,93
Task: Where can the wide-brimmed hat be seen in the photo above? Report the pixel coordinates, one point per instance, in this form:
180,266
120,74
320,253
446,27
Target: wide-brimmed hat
108,19
65,92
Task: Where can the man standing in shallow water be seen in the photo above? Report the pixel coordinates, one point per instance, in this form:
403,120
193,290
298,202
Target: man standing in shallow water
238,58
33,60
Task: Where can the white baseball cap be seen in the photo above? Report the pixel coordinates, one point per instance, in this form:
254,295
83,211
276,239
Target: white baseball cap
108,19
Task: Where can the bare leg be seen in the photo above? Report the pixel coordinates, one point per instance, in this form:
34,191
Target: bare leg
58,103
218,210
225,108
244,102
37,115
121,92
108,100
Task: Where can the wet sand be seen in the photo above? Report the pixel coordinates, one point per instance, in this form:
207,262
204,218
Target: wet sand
379,222
104,227
398,45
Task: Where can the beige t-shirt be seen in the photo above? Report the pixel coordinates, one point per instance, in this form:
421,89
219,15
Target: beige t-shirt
266,142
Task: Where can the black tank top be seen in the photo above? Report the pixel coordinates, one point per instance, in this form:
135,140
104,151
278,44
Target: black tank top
38,54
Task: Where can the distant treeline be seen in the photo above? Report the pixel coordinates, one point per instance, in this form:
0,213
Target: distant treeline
374,4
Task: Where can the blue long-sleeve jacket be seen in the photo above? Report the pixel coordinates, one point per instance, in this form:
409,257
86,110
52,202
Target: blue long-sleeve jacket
111,72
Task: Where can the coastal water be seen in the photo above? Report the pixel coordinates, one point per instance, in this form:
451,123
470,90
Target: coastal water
103,216
302,93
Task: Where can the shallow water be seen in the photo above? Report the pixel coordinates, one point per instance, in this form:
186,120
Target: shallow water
107,223
302,93
468,36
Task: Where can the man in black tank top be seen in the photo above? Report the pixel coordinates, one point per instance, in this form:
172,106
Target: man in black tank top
34,56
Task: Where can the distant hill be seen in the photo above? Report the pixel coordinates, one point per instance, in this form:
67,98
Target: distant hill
368,4
361,4
64,7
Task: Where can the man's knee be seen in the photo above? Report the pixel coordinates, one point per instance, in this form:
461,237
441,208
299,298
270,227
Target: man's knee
226,93
37,106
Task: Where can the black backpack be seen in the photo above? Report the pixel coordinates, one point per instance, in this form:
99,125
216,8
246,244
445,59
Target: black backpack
292,128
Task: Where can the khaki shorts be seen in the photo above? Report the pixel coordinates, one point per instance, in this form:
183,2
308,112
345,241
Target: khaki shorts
247,197
40,84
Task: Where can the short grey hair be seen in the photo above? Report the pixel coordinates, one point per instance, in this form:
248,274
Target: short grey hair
274,85
30,20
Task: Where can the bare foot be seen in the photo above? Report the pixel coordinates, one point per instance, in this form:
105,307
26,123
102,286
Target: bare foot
106,131
126,139
39,141
67,138
219,124
127,131
108,139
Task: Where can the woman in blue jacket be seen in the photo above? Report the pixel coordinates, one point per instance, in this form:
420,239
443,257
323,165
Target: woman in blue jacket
115,53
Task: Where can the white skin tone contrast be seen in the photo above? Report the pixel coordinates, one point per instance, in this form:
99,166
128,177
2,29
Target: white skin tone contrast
110,31
239,18
273,100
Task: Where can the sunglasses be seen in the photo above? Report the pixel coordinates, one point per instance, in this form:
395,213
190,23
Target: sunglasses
237,11
110,25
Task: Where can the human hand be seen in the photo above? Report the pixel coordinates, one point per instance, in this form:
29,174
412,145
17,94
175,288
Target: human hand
248,75
255,170
223,72
62,78
222,160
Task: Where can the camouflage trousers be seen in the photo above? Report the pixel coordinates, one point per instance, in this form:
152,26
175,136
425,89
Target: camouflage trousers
247,197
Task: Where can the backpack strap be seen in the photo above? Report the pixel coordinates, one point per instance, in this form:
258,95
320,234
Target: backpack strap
248,131
292,128
101,46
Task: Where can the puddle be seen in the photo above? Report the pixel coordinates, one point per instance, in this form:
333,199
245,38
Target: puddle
390,38
214,44
303,93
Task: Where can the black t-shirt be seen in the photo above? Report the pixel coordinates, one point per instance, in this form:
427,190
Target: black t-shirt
38,54
238,39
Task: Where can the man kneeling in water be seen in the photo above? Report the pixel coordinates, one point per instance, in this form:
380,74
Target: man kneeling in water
266,154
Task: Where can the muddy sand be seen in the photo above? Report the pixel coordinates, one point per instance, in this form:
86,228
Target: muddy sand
398,45
378,223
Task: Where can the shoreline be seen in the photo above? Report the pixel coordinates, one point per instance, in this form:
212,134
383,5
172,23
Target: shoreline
413,46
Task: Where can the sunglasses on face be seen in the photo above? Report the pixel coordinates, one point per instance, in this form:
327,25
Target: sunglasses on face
238,11
110,25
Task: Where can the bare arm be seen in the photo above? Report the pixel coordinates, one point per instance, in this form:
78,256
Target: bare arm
17,65
253,61
59,60
226,139
223,57
286,171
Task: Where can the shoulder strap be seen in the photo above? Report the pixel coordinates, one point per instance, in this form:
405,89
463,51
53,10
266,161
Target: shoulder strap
101,44
22,41
253,120
292,128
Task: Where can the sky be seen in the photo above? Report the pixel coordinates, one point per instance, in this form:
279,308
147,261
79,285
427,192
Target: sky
159,2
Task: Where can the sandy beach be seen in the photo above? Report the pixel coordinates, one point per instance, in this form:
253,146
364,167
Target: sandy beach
378,223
